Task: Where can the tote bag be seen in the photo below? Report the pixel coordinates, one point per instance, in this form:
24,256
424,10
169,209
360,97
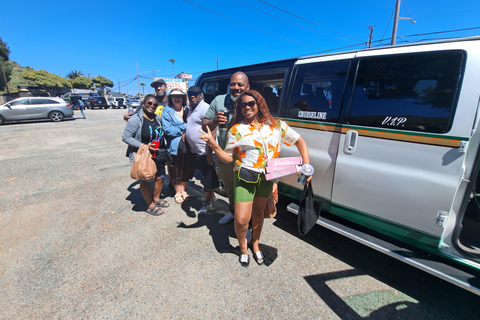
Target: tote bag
308,211
143,167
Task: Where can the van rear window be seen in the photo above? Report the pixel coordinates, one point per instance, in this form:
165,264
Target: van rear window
414,92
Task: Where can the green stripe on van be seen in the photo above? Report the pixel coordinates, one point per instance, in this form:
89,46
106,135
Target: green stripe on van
409,235
414,237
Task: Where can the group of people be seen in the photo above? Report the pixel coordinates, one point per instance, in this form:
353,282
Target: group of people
248,135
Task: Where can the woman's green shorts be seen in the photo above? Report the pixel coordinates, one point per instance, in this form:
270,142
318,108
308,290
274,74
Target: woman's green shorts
245,192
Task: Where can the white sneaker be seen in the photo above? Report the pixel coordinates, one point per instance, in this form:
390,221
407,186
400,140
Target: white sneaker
248,236
204,198
204,208
226,218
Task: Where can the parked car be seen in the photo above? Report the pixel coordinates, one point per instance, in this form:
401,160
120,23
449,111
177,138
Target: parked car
135,103
99,102
55,109
118,102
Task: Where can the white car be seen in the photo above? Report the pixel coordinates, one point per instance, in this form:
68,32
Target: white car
30,108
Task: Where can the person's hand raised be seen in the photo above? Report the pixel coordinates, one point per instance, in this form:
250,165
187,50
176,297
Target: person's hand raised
207,136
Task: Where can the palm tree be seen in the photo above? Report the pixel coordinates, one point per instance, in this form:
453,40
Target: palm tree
143,87
172,61
74,74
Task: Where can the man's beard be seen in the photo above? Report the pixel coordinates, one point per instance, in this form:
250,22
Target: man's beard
234,99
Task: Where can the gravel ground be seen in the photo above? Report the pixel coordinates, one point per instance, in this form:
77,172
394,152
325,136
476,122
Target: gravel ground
75,243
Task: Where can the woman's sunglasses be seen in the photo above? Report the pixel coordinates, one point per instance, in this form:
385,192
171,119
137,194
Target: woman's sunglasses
249,103
150,103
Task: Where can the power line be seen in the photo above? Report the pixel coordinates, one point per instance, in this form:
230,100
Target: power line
318,25
266,12
221,15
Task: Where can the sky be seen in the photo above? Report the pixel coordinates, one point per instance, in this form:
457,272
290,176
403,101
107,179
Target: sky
114,38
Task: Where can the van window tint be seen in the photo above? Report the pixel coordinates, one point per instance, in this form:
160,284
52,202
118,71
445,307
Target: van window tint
408,92
318,90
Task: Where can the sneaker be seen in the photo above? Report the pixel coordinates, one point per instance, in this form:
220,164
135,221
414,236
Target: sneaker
226,218
204,198
204,208
248,236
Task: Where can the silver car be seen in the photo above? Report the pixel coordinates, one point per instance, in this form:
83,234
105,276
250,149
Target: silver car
30,108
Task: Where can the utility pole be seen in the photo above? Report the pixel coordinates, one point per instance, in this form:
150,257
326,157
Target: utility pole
118,85
395,22
370,36
138,80
217,61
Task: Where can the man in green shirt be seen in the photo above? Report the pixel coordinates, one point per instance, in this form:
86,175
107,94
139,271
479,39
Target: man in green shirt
214,117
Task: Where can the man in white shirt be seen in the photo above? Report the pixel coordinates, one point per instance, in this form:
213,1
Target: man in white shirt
203,160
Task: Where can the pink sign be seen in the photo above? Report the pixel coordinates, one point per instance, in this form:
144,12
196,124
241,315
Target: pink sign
287,170
284,161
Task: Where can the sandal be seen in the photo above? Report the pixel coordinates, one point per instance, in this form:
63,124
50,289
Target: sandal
244,260
259,257
185,196
178,198
155,211
162,203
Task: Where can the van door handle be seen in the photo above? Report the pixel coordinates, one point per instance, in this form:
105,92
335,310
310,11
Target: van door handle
350,142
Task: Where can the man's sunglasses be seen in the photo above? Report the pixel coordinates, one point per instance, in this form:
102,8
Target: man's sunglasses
249,103
193,94
150,103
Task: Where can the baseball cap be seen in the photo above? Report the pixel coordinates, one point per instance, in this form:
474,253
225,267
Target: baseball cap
194,89
158,82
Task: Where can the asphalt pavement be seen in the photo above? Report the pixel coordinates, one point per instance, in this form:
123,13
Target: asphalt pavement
76,243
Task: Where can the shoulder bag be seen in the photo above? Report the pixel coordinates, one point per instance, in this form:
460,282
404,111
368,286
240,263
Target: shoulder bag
143,167
308,211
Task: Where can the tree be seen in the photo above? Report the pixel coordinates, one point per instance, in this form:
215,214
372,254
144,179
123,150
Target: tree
74,74
143,87
102,82
46,80
172,61
5,67
81,82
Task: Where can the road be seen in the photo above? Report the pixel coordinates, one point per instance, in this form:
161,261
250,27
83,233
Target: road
75,243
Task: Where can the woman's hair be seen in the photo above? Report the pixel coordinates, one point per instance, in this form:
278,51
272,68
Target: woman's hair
263,112
184,102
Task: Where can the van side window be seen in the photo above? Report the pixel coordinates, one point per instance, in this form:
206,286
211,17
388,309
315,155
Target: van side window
318,90
213,88
414,92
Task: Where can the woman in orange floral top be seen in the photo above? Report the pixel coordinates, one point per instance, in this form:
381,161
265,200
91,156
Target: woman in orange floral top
255,137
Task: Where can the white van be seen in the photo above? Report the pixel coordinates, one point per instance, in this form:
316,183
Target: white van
393,138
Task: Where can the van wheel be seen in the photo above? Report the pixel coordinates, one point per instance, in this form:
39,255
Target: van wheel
2,120
56,116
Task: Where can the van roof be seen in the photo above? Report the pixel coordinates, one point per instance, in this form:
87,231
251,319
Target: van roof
291,61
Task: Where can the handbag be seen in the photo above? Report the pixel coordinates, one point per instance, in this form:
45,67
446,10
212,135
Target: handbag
162,153
143,167
308,211
182,146
271,206
248,176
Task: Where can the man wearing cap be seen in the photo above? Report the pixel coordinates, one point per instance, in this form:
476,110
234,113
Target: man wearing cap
203,161
215,117
160,87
